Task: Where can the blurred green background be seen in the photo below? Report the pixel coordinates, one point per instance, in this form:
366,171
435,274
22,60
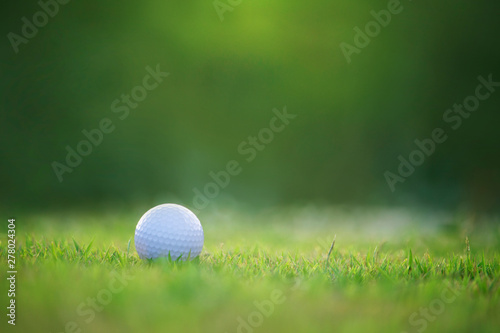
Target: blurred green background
225,79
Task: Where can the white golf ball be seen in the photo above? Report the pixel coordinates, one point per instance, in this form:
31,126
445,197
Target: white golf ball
169,229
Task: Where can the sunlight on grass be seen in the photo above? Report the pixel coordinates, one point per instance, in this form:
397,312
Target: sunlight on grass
67,261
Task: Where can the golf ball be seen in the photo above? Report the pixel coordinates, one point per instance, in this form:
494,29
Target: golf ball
168,229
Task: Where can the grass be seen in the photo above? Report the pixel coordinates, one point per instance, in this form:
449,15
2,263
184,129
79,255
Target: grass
269,271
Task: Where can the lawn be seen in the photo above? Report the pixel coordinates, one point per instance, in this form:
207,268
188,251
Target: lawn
390,270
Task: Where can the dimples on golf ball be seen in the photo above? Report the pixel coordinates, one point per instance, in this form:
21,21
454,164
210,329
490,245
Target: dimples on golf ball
168,228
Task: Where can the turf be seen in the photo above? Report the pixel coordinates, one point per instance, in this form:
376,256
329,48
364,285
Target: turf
389,271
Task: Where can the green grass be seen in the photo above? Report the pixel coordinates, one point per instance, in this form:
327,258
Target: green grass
386,270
